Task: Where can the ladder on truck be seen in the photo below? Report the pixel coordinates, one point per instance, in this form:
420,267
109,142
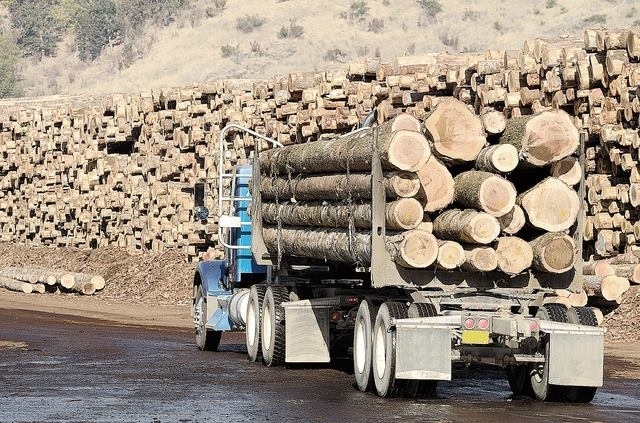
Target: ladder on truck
228,204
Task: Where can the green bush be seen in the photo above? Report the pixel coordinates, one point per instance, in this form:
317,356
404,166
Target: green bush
248,23
9,85
334,55
596,19
376,25
97,25
228,50
358,10
292,31
38,32
430,7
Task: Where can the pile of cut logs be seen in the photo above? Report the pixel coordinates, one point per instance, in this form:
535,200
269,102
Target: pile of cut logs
39,280
119,170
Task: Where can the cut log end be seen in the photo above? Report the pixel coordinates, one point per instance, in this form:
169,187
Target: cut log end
417,250
408,151
450,255
551,205
405,213
514,255
554,253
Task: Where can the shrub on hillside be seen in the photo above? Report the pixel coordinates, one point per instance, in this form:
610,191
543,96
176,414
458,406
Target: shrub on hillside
358,10
248,23
9,85
430,7
376,25
292,31
334,55
38,32
97,26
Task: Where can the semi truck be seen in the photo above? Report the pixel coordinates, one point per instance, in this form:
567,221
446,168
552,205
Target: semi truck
404,329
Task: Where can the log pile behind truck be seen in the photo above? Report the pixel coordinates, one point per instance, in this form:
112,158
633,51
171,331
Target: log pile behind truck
316,197
119,169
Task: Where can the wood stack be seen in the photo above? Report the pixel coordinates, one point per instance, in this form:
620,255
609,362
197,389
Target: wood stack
119,170
39,280
316,197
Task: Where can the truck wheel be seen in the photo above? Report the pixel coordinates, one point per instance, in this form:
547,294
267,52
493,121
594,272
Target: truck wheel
581,316
519,379
273,335
206,340
542,389
363,345
252,329
421,389
384,350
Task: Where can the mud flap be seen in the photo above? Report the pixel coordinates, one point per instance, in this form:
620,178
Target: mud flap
423,350
306,332
576,359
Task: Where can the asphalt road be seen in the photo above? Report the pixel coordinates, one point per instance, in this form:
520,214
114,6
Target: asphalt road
60,368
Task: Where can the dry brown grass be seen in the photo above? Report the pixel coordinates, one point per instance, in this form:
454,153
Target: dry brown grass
189,51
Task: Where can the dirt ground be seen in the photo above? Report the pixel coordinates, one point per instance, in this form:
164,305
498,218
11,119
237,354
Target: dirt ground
155,289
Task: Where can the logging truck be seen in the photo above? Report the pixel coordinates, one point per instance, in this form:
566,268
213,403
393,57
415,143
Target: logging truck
325,259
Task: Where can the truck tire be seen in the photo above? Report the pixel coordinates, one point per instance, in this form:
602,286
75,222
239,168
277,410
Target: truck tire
272,328
421,389
582,316
542,389
363,345
254,321
384,350
206,340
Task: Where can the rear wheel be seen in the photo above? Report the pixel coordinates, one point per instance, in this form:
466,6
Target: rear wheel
206,340
542,389
384,350
273,331
363,345
582,316
252,329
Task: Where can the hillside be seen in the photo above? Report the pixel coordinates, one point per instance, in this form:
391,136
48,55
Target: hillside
331,34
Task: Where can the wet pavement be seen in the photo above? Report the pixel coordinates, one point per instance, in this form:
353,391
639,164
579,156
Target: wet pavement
60,368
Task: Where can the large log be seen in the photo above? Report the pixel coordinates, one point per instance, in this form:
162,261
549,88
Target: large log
498,158
96,281
494,122
403,214
480,259
415,249
608,287
551,205
485,191
401,184
399,150
542,138
628,271
513,221
437,185
15,285
568,170
467,226
30,274
554,252
598,268
451,255
455,132
514,254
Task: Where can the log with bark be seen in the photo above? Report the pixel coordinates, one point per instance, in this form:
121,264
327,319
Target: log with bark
402,214
514,255
498,158
414,249
513,221
467,226
484,191
15,285
609,287
550,205
398,150
455,132
451,255
29,274
542,138
553,252
480,259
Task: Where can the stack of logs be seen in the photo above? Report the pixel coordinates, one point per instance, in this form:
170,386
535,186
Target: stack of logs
456,198
39,280
119,170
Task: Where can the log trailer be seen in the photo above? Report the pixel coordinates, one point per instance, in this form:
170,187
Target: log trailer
405,329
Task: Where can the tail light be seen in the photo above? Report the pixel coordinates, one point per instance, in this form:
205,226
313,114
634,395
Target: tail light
534,325
336,316
483,324
469,323
352,300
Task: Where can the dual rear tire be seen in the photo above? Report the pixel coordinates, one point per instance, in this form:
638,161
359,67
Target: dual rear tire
265,332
